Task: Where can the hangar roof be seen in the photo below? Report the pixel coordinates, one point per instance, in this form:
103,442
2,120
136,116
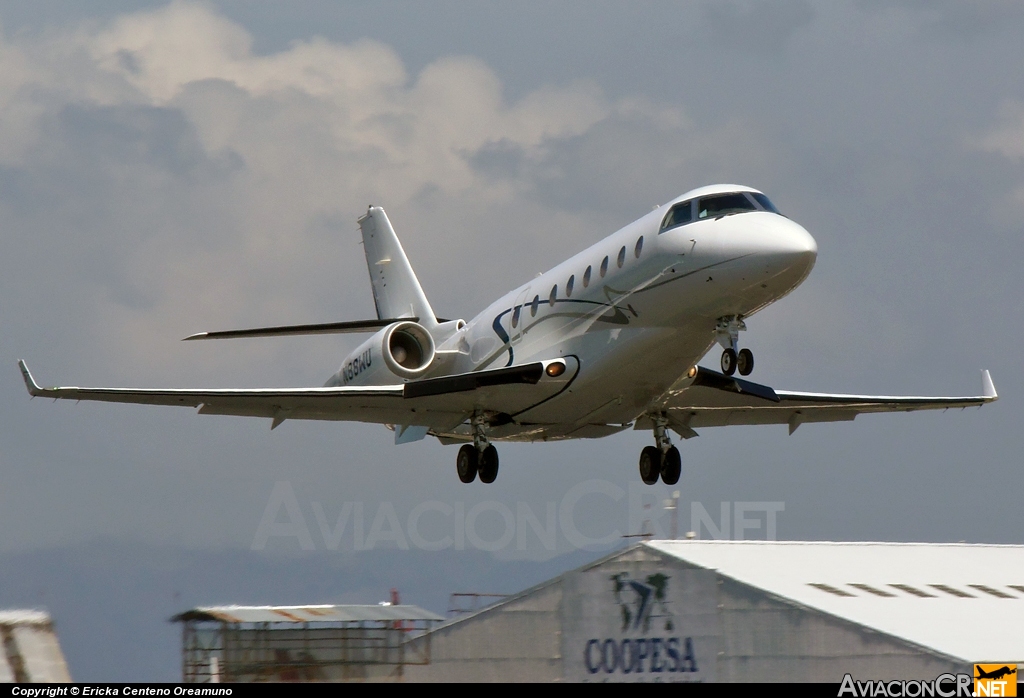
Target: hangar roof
24,617
962,600
306,614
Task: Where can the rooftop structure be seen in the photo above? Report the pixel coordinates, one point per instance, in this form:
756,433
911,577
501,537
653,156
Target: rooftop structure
31,651
302,643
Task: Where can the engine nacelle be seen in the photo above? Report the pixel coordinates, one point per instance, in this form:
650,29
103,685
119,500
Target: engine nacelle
404,350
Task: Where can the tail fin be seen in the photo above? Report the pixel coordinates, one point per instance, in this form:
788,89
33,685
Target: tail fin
396,290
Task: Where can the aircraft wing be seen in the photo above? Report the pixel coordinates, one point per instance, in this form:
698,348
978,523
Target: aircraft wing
711,399
437,403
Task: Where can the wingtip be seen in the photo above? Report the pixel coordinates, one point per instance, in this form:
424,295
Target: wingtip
30,383
988,387
197,335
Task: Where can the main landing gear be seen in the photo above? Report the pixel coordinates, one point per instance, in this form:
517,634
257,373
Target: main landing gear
661,460
727,332
479,457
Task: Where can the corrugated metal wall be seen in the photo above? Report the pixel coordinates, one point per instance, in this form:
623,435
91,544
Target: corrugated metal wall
519,640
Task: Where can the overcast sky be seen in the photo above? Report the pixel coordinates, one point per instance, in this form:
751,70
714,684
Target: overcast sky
172,168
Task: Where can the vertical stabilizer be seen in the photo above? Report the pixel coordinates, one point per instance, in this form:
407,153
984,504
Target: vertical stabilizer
396,290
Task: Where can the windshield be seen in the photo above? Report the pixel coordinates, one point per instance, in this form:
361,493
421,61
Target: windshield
766,204
715,206
680,214
723,205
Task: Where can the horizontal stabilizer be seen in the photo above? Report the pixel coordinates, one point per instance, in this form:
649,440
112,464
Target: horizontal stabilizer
291,330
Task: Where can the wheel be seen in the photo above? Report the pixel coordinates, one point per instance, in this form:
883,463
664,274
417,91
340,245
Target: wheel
728,362
650,465
745,362
671,467
466,463
489,464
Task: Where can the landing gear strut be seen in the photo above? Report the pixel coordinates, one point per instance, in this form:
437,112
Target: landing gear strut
727,333
661,460
479,457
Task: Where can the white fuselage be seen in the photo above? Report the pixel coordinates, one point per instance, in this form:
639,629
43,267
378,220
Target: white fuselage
638,326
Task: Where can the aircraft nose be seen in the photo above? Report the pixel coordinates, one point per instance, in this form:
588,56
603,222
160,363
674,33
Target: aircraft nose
795,246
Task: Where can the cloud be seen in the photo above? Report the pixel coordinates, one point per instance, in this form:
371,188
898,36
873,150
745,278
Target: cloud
174,180
1007,138
1005,141
961,19
756,26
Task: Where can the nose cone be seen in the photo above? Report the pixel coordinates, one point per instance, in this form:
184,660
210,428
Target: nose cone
794,247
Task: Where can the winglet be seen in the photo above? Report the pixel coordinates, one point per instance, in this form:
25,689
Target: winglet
988,388
30,382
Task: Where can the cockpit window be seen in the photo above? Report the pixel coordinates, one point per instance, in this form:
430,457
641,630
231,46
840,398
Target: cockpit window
723,205
765,202
681,214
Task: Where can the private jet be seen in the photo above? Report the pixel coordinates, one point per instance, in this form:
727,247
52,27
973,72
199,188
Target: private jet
607,340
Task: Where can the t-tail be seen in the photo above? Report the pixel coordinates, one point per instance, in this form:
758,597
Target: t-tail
396,290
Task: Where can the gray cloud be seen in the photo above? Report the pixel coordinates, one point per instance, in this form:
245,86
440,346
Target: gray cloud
969,20
757,26
159,175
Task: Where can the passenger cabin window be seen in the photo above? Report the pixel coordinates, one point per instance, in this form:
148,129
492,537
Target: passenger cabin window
723,205
604,267
515,316
553,296
533,306
680,214
586,277
622,257
569,284
639,246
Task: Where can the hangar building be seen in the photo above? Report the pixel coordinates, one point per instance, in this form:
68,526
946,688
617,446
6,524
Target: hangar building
720,611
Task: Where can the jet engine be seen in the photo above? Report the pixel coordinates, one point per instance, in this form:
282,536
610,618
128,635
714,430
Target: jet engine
403,350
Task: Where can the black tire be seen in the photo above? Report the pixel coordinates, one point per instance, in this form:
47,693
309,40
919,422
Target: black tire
671,466
728,362
467,463
489,464
650,465
745,362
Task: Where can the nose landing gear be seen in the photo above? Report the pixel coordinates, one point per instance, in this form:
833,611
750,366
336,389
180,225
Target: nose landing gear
662,460
727,333
480,457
